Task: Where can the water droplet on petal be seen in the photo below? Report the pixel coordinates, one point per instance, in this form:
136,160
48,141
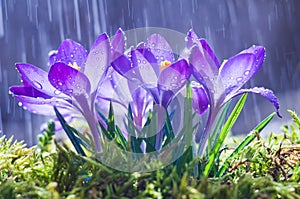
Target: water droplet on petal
38,85
247,72
60,83
57,92
70,90
20,104
239,79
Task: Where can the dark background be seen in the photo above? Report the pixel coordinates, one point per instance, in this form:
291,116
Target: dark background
30,29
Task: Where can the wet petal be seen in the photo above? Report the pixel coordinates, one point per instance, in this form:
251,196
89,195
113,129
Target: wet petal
118,44
204,73
125,68
68,80
175,76
191,39
268,94
139,105
237,71
259,52
71,52
145,69
160,48
28,91
209,54
199,98
97,61
42,109
37,78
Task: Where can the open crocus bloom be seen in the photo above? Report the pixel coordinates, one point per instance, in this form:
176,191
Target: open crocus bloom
71,84
123,92
223,82
152,65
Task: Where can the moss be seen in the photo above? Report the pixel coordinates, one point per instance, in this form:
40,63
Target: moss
267,168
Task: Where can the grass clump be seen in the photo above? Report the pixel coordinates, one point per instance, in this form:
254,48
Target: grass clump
266,168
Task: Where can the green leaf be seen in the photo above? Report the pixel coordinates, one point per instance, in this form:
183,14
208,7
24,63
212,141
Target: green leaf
169,128
246,141
73,138
111,121
226,128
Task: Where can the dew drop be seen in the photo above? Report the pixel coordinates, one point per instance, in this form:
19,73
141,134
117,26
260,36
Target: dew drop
239,79
174,85
38,85
60,83
70,90
20,104
139,61
57,92
247,72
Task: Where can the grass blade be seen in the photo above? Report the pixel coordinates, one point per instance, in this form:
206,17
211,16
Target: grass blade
246,141
224,131
73,138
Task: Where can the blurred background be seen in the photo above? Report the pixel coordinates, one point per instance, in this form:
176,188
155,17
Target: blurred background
30,29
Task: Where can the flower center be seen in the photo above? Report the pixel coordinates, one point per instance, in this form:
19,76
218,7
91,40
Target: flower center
74,65
164,64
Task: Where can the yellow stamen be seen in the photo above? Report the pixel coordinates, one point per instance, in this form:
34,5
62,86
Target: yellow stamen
74,65
164,64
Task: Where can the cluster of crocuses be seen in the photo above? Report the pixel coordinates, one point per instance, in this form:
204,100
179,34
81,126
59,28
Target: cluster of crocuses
78,82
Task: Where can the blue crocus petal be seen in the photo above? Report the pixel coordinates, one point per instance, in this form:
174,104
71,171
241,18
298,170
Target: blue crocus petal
118,44
237,71
70,52
203,72
68,80
124,67
28,91
191,39
44,109
140,105
160,48
258,51
98,61
145,71
175,76
268,94
209,54
37,78
241,68
200,99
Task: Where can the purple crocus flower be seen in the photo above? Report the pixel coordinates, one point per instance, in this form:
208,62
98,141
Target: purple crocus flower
152,65
71,84
224,81
123,92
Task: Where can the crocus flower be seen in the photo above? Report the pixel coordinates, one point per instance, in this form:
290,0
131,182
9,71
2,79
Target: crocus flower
122,92
71,84
152,65
223,82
